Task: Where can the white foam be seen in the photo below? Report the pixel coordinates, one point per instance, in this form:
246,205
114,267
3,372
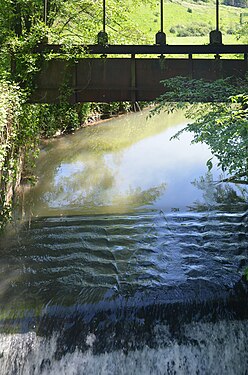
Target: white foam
209,348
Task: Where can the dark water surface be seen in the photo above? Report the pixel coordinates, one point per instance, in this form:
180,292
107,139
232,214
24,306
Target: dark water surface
130,259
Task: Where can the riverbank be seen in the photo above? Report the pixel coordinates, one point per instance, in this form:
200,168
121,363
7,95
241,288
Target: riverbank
23,126
14,146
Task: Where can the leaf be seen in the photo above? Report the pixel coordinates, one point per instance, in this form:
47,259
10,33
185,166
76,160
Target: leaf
246,273
209,164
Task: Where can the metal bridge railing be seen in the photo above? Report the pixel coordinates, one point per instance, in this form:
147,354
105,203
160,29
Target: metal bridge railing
160,47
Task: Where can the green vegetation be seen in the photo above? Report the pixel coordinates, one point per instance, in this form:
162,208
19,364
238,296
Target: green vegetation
196,29
177,14
221,121
236,3
18,140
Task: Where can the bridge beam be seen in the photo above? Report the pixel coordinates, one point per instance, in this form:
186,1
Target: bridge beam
125,79
155,49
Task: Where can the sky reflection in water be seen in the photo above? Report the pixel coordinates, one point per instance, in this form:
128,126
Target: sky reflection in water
121,165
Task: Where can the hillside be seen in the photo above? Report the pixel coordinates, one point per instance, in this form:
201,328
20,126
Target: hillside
130,22
188,22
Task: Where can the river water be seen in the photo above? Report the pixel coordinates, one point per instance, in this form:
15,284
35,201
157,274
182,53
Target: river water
129,259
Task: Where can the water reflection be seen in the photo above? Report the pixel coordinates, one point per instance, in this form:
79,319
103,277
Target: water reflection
119,166
219,196
120,209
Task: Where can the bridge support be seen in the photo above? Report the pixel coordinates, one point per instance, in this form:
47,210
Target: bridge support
215,36
125,79
160,36
102,37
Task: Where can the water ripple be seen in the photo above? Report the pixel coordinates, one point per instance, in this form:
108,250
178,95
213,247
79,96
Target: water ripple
82,255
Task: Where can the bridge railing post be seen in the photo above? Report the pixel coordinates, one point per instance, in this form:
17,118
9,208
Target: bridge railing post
45,11
215,36
102,36
160,36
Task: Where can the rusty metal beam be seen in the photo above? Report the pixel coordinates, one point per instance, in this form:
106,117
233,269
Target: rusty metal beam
166,49
125,79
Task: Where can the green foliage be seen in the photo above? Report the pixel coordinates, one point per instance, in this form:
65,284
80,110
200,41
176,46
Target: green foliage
183,89
224,128
236,3
20,17
243,32
18,142
112,109
195,29
60,118
246,274
221,122
57,119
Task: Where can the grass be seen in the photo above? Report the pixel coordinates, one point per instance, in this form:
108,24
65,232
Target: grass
140,25
199,40
147,19
194,20
186,14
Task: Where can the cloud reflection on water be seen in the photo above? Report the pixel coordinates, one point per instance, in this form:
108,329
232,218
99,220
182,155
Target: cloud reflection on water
120,166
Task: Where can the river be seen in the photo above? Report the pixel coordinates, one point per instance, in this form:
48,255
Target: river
128,258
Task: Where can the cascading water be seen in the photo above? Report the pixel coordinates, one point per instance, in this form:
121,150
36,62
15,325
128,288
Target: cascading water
130,259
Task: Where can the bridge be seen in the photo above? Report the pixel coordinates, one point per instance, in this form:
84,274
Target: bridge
134,78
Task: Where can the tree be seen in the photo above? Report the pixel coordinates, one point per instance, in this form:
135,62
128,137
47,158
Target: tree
236,3
19,16
74,21
221,122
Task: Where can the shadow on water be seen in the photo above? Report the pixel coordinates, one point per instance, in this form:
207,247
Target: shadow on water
131,263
